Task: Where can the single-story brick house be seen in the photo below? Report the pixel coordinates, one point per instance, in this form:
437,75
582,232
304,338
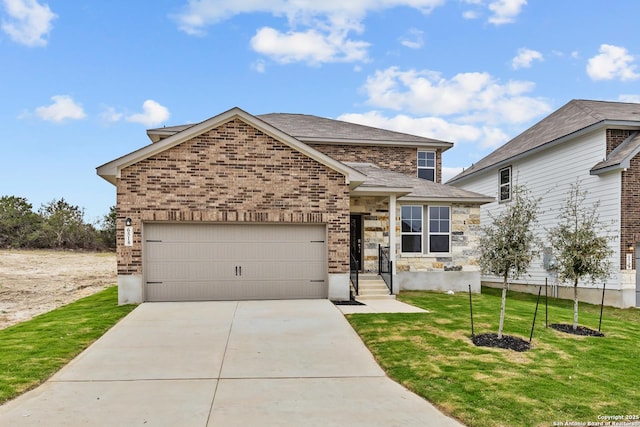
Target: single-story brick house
286,206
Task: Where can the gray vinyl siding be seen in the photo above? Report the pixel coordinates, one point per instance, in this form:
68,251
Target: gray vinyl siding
549,175
189,262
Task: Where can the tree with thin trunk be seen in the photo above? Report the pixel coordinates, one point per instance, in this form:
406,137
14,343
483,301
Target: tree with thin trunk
580,244
508,244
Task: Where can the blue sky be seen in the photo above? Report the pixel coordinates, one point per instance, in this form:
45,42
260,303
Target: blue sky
81,80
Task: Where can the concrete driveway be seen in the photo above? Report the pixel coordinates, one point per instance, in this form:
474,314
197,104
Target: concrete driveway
250,363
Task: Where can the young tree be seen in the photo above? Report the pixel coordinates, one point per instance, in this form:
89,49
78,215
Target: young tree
577,247
508,244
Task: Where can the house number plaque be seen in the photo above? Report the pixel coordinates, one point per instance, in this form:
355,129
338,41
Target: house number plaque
128,236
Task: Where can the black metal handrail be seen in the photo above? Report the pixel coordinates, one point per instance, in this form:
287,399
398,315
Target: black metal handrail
385,266
353,273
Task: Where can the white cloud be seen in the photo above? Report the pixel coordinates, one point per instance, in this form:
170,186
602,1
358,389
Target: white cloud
29,21
259,66
525,57
469,108
310,46
152,114
111,115
431,127
470,14
471,97
413,39
629,98
505,11
613,62
63,108
501,11
318,31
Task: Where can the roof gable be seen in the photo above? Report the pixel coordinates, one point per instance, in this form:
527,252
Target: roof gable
573,118
111,171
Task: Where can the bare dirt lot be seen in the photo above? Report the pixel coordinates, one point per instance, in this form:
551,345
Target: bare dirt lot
34,282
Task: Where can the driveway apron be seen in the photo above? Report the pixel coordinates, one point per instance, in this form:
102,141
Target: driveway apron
227,363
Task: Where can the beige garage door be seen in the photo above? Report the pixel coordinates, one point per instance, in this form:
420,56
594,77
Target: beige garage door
190,262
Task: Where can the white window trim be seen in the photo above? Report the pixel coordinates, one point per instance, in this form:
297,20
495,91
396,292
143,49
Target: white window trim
435,164
500,184
410,233
426,233
429,233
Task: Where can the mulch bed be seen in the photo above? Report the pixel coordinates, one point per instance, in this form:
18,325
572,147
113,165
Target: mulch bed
507,342
350,302
581,330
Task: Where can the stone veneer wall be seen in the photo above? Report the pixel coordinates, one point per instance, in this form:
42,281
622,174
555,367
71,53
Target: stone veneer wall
375,228
465,232
233,173
398,159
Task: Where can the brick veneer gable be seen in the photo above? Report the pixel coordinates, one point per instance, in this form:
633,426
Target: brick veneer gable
233,173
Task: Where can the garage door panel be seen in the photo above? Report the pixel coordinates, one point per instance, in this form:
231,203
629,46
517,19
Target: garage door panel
225,261
231,290
188,271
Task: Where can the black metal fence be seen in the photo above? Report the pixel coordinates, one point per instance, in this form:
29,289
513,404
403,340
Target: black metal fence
353,273
385,266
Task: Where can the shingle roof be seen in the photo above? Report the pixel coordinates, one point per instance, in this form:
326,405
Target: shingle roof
313,128
308,128
574,116
621,155
416,188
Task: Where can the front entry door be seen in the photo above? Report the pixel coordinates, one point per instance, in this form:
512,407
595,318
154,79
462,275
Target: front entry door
355,239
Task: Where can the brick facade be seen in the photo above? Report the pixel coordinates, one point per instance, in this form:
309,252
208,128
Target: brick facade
397,159
233,173
630,200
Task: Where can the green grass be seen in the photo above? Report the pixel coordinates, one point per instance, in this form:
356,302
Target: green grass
32,351
562,378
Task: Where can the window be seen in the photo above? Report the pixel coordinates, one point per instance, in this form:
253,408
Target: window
439,221
434,239
505,184
427,165
411,231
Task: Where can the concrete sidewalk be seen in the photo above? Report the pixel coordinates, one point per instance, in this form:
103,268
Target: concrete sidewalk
251,363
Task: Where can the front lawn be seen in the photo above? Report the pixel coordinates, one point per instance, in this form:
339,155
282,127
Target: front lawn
32,351
563,378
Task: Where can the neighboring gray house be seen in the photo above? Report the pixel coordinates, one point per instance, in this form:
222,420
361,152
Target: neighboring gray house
287,206
594,143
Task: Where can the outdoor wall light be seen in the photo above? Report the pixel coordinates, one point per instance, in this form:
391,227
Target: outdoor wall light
630,247
127,222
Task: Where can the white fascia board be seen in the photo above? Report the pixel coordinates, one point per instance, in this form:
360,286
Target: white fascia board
473,200
380,191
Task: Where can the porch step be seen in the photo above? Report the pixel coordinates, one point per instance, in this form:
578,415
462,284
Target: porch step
371,286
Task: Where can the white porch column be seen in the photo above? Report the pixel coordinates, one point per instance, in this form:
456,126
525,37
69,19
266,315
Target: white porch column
392,237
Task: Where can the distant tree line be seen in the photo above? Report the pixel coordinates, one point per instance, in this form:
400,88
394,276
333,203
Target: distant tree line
56,225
